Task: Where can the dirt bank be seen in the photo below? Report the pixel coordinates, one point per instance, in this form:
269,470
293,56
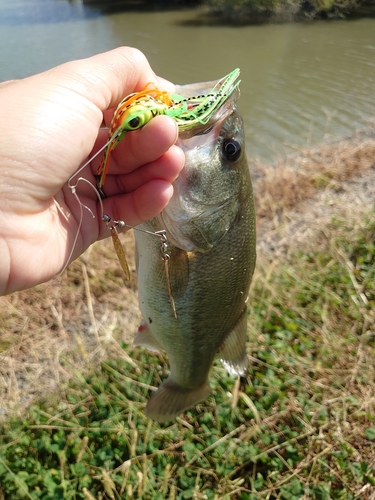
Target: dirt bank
299,195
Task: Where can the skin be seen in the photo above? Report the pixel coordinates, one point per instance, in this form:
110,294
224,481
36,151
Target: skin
50,125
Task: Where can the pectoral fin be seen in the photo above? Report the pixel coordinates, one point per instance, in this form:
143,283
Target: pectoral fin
145,338
178,272
233,351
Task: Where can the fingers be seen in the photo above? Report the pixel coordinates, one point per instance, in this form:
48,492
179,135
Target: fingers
141,146
142,204
95,86
108,77
148,144
167,167
144,192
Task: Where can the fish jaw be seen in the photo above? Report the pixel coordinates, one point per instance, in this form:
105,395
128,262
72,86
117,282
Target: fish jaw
171,399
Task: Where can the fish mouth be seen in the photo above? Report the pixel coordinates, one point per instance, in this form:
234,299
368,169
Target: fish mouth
209,127
198,215
203,137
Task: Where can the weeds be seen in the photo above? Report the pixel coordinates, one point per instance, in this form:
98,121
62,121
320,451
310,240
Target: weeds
295,179
301,424
257,11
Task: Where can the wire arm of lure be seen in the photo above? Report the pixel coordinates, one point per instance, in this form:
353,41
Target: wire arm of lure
112,225
73,189
114,137
162,234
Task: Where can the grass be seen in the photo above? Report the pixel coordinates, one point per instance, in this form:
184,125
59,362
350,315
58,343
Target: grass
300,425
297,178
257,11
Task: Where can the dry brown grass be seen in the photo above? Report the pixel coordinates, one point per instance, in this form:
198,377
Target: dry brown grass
311,338
295,179
51,331
55,330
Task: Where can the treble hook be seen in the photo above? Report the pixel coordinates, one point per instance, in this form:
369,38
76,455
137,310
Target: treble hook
166,257
114,225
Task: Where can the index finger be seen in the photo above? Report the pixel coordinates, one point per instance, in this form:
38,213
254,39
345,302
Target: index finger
108,77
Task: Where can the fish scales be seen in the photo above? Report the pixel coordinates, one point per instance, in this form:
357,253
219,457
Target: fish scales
210,226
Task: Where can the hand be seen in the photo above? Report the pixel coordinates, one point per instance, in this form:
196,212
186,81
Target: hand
49,126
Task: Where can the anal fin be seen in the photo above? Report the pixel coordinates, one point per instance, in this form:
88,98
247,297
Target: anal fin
145,338
233,351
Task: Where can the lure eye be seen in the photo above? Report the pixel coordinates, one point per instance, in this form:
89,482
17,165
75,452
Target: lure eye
136,117
231,149
134,122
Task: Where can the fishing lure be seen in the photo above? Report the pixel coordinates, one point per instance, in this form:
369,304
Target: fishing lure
137,109
133,112
113,226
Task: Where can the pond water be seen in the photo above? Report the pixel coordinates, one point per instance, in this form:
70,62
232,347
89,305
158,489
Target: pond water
301,83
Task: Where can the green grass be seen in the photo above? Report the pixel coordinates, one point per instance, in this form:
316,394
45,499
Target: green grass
301,424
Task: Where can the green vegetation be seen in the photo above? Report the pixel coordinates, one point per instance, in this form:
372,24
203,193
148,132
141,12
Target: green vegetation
300,425
247,11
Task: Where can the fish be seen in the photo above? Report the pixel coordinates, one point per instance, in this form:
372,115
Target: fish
193,287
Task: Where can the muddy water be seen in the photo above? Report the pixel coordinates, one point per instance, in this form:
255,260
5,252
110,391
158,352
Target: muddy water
301,83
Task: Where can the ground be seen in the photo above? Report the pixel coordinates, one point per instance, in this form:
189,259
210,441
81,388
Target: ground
55,329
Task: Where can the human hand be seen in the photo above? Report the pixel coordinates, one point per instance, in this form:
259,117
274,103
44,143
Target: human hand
49,126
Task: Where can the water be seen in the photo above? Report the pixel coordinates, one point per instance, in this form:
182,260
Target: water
301,83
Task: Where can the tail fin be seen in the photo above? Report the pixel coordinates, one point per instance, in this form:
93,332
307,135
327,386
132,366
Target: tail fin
171,399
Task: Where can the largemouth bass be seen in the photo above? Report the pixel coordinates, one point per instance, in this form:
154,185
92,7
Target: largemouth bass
194,304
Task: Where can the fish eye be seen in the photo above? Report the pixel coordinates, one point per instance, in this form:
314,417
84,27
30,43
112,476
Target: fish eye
231,149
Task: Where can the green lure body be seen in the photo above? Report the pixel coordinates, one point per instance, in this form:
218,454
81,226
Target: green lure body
137,109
